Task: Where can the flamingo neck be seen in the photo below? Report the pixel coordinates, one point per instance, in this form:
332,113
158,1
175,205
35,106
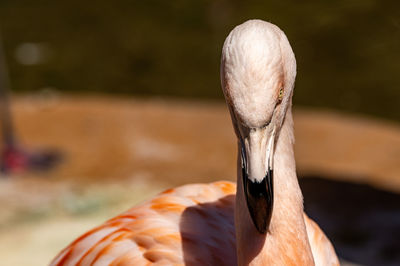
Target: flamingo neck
286,242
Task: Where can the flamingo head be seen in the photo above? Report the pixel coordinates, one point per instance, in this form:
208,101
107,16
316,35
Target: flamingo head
258,70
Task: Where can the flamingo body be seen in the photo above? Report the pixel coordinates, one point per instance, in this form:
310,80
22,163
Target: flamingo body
191,224
258,222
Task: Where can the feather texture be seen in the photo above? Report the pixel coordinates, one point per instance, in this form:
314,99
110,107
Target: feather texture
190,225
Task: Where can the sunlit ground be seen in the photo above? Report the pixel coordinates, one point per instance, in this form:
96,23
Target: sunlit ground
117,152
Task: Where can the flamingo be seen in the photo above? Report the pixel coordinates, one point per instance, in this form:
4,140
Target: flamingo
259,221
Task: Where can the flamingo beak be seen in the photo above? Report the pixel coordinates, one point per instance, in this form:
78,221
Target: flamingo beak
257,175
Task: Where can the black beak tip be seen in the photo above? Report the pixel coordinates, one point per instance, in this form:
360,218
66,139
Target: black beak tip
261,226
259,197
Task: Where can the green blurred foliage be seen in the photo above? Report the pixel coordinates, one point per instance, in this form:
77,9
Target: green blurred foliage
348,51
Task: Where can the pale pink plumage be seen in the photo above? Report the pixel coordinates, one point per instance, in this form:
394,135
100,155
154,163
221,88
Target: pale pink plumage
208,224
191,224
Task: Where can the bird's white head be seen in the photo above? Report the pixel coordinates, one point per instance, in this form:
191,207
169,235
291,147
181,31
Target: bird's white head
258,70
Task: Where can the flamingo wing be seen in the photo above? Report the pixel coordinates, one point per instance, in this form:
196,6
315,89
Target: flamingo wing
191,224
323,252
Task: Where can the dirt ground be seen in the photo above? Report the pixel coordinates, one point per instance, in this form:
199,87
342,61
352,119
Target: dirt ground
116,152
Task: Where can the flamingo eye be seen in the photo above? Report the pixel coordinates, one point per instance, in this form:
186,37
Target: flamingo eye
280,95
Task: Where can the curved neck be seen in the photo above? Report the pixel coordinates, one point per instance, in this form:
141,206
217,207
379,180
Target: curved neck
286,242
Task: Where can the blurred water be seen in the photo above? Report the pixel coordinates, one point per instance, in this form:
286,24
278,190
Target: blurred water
362,222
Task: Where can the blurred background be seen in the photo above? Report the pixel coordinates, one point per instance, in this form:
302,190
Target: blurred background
108,104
